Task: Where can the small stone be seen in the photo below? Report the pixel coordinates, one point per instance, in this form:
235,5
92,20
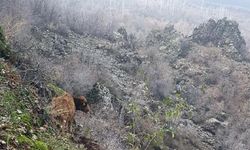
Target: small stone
42,129
3,142
3,71
34,137
22,129
31,131
19,111
3,119
81,146
3,126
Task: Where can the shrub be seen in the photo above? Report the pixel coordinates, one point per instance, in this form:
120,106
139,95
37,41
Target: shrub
39,145
57,90
148,129
4,47
24,140
29,143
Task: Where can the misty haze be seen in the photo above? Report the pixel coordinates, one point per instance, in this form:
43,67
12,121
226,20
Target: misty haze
124,75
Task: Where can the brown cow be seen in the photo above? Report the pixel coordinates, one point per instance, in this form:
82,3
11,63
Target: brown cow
82,104
62,108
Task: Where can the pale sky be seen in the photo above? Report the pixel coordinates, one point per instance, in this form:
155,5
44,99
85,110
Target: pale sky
236,3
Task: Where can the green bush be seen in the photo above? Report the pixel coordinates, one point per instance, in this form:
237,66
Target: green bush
4,47
24,140
39,145
2,38
34,145
148,129
55,89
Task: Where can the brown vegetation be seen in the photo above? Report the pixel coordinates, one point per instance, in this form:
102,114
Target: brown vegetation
13,78
63,109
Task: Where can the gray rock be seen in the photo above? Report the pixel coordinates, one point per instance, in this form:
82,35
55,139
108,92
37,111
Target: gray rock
190,136
221,33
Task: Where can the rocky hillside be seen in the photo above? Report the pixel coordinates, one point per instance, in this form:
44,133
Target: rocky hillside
167,92
23,123
212,78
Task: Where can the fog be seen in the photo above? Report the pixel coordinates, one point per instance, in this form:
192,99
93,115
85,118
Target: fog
141,51
140,16
144,14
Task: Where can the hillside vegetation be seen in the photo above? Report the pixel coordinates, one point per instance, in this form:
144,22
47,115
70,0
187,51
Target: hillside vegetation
148,88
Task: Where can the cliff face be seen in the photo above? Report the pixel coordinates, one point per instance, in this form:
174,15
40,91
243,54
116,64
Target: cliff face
207,70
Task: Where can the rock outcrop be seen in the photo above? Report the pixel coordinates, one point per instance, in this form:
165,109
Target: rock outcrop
219,33
222,33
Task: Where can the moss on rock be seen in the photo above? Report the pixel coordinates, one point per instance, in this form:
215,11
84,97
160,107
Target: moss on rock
55,89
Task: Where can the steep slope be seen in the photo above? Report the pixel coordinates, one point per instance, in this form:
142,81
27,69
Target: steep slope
207,70
76,63
22,124
213,77
217,87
